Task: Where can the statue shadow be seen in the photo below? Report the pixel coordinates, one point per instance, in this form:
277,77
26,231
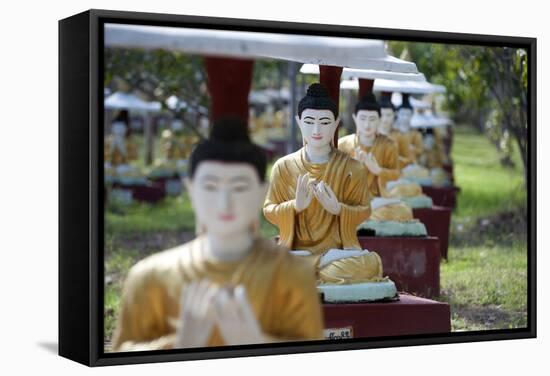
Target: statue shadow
52,347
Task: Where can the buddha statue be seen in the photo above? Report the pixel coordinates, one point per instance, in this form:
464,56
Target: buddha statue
119,146
399,130
433,158
175,148
317,198
387,114
118,152
378,153
409,140
228,286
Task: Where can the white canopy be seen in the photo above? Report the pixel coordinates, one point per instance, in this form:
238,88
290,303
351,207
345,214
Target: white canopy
343,52
174,103
420,104
349,85
429,120
348,73
371,74
409,87
129,101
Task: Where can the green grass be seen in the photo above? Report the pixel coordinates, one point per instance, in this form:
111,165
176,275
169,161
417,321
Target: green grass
171,214
486,286
486,186
485,278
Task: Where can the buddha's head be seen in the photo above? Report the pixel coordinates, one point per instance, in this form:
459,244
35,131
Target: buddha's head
367,116
428,138
317,116
404,115
226,180
387,114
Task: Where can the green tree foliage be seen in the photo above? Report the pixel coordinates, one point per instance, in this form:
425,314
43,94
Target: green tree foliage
157,75
486,87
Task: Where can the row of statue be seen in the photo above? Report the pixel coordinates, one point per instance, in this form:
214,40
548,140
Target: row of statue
229,286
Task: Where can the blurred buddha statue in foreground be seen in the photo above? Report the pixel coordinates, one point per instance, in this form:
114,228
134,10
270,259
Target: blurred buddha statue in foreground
317,198
379,155
228,286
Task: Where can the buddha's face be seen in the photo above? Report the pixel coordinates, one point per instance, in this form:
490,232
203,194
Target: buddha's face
403,121
386,120
226,197
367,123
317,126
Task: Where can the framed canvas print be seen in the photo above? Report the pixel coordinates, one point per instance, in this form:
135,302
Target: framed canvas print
236,187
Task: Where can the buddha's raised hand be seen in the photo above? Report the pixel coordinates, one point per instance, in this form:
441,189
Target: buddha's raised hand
304,193
372,164
327,198
196,314
235,318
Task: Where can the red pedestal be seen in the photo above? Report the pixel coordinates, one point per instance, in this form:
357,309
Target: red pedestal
442,196
409,315
411,262
438,223
449,168
150,193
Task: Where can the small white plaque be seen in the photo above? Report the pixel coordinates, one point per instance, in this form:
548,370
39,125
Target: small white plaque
338,333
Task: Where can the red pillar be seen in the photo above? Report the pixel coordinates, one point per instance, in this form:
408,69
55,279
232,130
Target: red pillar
365,86
330,77
229,82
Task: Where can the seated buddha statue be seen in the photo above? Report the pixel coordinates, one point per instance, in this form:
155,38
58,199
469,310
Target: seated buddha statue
118,152
377,152
317,198
408,190
228,286
175,148
409,140
433,158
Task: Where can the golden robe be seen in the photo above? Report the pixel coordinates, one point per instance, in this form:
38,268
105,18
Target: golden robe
386,153
314,229
117,157
410,146
280,287
417,142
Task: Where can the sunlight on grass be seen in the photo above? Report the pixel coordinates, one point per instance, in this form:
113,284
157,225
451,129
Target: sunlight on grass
486,186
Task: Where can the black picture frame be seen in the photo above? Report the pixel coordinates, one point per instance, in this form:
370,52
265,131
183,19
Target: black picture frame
81,193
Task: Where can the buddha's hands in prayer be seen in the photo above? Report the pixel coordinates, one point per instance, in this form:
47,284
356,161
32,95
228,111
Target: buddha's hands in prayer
369,160
327,198
235,318
196,315
304,193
